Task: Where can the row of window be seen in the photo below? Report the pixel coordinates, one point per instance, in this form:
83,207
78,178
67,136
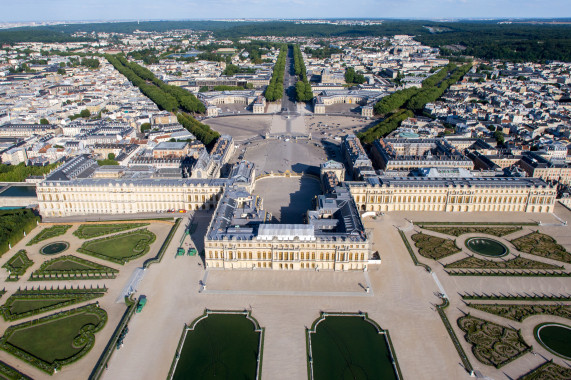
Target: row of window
287,256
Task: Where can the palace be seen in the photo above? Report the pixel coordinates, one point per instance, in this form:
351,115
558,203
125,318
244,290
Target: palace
500,194
239,235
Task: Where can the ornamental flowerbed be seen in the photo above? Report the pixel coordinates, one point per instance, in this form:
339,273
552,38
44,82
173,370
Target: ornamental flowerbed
492,344
17,265
539,244
520,312
59,339
89,231
457,231
50,232
433,247
29,302
548,371
120,248
72,268
518,262
9,373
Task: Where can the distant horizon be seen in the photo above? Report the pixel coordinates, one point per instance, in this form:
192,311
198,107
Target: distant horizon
41,11
286,19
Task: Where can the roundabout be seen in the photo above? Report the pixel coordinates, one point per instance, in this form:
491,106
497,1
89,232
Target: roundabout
555,338
54,248
486,247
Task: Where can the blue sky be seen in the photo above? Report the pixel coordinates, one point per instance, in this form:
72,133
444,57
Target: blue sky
52,10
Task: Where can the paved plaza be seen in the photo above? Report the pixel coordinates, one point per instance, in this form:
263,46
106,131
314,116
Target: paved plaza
288,199
402,300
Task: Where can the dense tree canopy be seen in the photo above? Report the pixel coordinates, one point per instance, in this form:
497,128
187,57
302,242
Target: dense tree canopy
167,97
202,131
352,77
274,91
13,224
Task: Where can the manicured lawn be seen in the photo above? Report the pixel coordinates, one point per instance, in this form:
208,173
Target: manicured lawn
22,306
350,348
89,231
68,265
222,346
17,265
55,340
52,340
50,232
120,248
73,266
25,303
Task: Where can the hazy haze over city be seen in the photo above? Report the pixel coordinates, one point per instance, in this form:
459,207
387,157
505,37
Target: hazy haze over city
58,10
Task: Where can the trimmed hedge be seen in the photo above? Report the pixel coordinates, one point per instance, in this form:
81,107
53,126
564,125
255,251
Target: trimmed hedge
72,268
507,273
111,345
10,373
457,231
48,233
465,361
162,250
17,265
411,253
518,313
84,338
473,262
65,296
517,297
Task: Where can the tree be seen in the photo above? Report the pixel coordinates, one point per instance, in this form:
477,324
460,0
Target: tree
352,77
499,136
111,156
85,113
145,127
44,121
61,71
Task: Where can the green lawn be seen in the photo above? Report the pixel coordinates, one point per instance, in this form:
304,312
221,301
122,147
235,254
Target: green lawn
25,303
89,231
17,265
71,265
350,348
120,248
68,265
222,346
55,340
50,232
